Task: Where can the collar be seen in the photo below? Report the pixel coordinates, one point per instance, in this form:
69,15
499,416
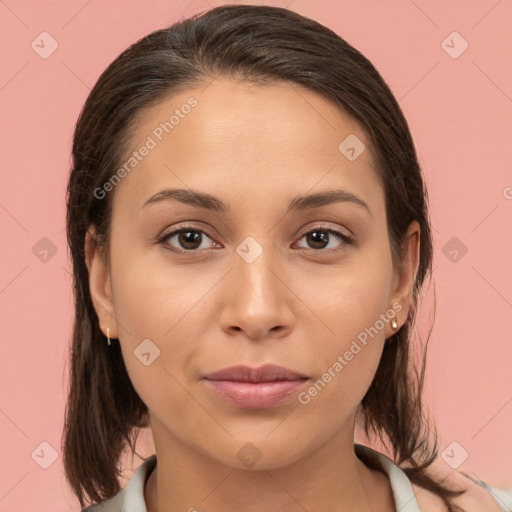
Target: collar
403,493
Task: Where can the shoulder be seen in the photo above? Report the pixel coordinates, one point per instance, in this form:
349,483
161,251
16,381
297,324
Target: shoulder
474,499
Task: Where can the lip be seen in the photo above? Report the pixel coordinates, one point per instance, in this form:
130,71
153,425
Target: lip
265,373
255,388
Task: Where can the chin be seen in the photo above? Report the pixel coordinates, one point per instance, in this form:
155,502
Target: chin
261,452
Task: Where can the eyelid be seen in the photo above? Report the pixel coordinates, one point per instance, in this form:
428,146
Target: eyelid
327,227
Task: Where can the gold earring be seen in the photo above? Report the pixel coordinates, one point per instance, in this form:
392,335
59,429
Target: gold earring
394,323
108,336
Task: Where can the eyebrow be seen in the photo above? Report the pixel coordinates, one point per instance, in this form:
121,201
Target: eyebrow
298,203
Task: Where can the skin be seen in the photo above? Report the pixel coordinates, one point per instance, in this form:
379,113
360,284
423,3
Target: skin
254,147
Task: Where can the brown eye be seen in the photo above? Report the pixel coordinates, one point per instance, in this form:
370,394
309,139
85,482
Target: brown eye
319,239
187,239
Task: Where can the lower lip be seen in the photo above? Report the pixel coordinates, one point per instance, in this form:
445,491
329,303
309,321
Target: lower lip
249,395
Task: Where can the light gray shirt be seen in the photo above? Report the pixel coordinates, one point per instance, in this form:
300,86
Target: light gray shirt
131,497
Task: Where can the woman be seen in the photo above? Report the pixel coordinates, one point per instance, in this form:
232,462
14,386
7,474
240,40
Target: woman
249,231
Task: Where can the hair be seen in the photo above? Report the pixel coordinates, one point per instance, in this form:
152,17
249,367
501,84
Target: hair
261,45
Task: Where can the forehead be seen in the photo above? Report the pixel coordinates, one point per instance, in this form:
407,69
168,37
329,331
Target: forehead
226,136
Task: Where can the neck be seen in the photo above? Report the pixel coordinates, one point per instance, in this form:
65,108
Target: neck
329,478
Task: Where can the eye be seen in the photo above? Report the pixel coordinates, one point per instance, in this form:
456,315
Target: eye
188,238
322,236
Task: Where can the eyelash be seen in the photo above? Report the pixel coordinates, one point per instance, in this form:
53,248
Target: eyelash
348,240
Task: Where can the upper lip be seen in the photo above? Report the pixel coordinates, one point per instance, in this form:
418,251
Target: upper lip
265,373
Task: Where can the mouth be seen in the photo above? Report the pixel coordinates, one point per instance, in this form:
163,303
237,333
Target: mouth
255,388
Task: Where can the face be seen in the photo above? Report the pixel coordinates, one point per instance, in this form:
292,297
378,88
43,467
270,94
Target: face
261,281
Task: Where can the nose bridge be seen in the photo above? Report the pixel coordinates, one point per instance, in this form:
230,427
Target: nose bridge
257,300
255,257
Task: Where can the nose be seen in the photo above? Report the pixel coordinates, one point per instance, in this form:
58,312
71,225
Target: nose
258,301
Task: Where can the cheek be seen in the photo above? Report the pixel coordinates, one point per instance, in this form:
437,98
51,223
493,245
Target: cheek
345,370
160,342
152,298
352,302
353,308
159,322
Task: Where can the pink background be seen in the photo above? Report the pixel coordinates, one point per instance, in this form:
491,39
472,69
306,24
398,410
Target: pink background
460,114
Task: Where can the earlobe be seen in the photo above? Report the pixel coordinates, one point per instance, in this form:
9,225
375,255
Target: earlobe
99,285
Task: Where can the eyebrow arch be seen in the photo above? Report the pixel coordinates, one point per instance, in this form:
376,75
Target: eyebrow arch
298,203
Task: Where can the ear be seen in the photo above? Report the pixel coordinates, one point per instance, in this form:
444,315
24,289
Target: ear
404,276
99,284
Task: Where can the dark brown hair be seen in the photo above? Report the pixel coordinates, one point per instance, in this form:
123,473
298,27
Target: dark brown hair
263,45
